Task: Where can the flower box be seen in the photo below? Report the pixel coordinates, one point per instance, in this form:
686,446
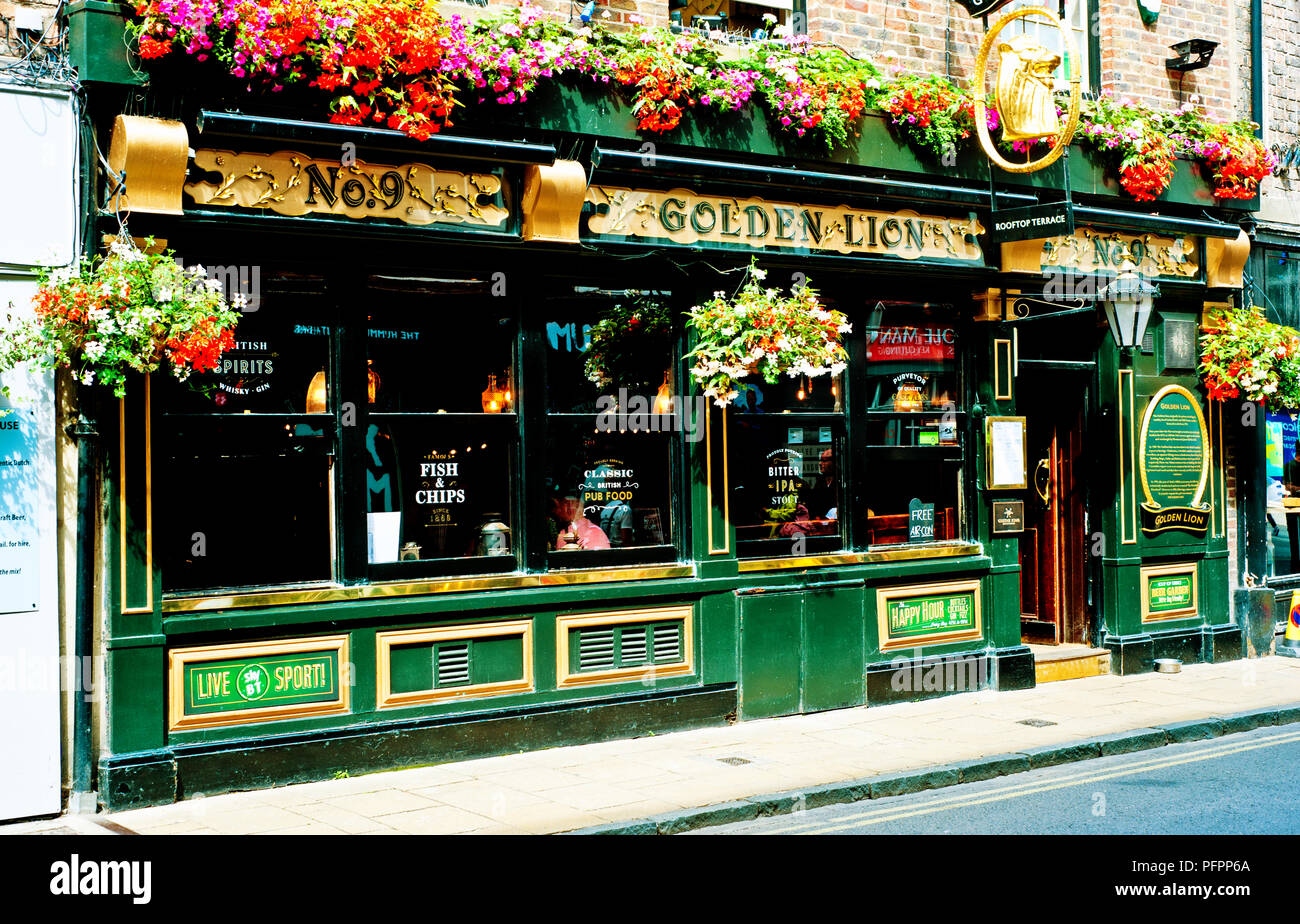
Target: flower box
98,46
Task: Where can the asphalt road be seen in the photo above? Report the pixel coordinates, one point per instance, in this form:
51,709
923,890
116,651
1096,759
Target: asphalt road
1238,784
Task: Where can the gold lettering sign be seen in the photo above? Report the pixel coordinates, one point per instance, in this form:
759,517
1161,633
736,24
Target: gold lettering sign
683,217
1087,252
294,184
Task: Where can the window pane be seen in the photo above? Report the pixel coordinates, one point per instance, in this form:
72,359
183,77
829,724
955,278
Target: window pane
1283,460
281,354
249,502
606,490
437,345
636,356
787,485
912,352
791,395
897,480
438,487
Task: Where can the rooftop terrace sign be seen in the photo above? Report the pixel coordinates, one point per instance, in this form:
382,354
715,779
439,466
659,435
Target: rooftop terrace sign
679,216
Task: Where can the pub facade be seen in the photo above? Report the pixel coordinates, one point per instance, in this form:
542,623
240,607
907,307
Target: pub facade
401,524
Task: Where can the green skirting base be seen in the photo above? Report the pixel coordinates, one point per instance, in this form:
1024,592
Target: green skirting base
1136,654
135,780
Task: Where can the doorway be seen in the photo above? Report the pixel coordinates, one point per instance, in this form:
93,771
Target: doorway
1054,548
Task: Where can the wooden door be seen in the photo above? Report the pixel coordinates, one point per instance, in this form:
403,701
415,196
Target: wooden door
1053,550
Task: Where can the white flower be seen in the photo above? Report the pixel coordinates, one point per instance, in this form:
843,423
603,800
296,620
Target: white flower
88,378
759,274
238,300
94,350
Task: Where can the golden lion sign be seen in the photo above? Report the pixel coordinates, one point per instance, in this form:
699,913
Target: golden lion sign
1025,92
684,217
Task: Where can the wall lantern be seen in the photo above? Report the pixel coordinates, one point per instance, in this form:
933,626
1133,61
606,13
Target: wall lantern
1128,299
1193,55
1150,10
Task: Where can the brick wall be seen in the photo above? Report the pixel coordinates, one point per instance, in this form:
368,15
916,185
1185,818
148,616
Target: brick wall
1280,207
10,46
1133,55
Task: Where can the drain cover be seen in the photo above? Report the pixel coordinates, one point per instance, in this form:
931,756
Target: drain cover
734,761
1036,723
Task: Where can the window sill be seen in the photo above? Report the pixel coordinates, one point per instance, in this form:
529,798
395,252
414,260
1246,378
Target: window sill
873,556
331,593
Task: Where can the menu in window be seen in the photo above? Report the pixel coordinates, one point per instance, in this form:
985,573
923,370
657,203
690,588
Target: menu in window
1007,452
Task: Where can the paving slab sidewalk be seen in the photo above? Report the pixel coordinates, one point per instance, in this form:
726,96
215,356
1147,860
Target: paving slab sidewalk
692,778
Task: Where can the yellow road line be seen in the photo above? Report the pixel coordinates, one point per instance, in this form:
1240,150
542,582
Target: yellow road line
883,814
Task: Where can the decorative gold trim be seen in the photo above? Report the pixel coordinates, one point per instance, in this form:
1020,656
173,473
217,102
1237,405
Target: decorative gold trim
154,154
1225,261
1205,442
708,482
565,677
384,642
988,455
1127,511
999,393
651,573
886,554
302,596
179,658
552,201
1151,571
148,500
885,594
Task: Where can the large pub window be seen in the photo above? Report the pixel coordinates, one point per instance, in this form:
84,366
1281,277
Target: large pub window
246,464
610,450
914,419
438,459
788,466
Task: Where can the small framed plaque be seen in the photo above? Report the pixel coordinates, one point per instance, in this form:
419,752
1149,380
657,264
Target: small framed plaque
1008,517
1005,454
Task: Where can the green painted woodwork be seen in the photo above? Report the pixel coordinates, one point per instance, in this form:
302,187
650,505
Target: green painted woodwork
494,660
834,646
456,662
802,652
770,654
411,668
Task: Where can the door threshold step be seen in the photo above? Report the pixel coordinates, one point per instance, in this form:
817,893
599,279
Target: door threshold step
1069,662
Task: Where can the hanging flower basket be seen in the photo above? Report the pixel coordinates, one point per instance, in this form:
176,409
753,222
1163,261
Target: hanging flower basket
1246,357
760,331
129,311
